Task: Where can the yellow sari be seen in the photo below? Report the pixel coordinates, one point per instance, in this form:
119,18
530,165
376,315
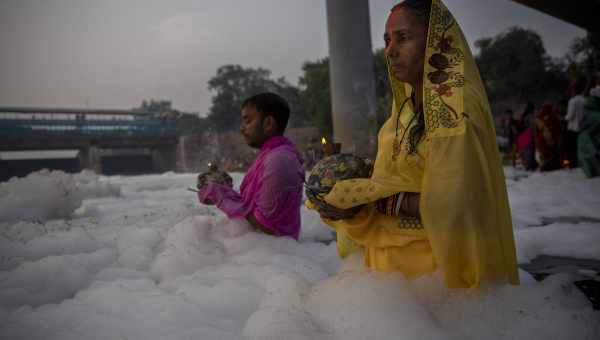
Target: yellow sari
465,227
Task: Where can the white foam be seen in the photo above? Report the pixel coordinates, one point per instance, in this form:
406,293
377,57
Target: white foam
46,194
357,304
152,263
186,249
51,279
560,239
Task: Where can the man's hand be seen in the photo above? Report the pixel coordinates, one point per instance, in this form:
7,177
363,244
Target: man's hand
328,211
205,201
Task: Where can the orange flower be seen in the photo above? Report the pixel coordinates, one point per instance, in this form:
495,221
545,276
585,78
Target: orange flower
445,44
443,90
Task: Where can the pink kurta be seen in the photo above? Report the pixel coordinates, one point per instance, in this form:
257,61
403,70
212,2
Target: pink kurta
271,189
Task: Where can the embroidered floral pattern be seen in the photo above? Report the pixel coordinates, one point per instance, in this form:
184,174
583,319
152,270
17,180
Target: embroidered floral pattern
443,90
329,170
408,222
445,74
445,45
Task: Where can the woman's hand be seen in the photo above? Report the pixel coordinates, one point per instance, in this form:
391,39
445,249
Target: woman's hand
410,204
404,203
328,211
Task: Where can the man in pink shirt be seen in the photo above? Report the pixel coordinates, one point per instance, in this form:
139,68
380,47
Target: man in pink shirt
271,192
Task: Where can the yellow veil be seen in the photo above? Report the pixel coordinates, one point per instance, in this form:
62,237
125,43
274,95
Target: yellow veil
464,204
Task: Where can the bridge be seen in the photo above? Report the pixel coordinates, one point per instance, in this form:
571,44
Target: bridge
106,141
579,13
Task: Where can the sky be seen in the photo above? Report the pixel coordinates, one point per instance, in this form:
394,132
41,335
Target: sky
116,53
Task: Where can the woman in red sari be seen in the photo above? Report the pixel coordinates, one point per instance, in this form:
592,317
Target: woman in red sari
547,138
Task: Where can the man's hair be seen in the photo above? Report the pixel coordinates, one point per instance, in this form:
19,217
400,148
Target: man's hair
270,104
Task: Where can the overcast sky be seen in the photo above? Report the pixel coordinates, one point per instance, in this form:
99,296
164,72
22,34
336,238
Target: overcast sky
115,53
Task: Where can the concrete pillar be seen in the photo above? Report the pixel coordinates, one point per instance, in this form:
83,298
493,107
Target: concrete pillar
89,158
164,158
182,156
352,76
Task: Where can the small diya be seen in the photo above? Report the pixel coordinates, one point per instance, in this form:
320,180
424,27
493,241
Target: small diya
329,170
329,148
214,175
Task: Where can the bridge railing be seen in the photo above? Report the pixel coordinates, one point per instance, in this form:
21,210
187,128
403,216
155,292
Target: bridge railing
85,125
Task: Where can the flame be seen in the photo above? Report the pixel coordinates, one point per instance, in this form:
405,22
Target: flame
566,163
323,141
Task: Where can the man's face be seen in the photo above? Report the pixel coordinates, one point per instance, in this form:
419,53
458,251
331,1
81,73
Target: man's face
252,127
405,38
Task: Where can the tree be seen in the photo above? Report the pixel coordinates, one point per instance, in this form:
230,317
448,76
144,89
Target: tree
186,123
316,91
233,84
156,106
515,69
298,114
584,54
316,94
191,124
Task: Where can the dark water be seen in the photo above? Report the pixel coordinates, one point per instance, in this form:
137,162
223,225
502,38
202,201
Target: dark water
127,165
21,168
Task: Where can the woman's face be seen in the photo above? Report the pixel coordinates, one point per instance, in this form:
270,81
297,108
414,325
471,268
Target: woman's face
405,39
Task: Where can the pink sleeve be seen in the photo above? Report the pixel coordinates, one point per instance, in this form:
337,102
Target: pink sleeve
226,199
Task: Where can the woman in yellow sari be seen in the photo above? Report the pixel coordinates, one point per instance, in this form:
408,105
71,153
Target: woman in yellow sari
437,198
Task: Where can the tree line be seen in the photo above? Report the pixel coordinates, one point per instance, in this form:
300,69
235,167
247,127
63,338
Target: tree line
514,66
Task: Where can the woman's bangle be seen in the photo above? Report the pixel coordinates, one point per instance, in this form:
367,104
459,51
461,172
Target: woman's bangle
410,204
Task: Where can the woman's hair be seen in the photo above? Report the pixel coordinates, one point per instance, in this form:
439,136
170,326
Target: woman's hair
416,133
421,10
